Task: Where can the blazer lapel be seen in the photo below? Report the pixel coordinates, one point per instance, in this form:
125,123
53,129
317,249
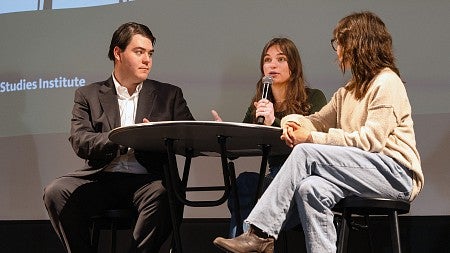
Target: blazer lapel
108,101
145,102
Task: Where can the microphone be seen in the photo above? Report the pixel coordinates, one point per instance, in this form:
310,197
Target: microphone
266,81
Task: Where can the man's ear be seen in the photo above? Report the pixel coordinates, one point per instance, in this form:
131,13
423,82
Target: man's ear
117,51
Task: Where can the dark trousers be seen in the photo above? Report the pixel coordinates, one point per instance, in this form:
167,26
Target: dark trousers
71,201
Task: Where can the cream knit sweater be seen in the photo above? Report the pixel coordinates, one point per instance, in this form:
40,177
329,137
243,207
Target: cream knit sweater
379,122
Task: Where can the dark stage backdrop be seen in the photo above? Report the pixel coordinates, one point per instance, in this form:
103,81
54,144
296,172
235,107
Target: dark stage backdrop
211,50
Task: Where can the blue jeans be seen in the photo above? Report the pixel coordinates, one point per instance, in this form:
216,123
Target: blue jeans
315,177
247,183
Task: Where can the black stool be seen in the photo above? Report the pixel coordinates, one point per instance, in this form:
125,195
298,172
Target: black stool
359,206
366,207
113,219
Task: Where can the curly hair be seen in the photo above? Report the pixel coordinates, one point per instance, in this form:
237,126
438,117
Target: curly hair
366,47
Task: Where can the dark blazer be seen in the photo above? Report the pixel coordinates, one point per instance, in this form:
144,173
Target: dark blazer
96,112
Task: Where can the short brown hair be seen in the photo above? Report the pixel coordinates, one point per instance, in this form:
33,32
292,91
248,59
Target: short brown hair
122,36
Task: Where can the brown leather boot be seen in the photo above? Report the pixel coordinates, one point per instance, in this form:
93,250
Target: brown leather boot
250,241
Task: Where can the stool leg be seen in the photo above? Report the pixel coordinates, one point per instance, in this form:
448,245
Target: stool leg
281,243
395,232
95,236
369,234
113,236
237,206
133,244
343,233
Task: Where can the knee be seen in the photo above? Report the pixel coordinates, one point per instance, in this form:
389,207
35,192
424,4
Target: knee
53,192
247,182
155,192
313,191
307,190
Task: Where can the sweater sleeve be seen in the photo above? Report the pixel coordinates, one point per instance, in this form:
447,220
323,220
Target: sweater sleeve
320,121
367,123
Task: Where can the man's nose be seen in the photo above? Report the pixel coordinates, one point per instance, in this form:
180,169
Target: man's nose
146,58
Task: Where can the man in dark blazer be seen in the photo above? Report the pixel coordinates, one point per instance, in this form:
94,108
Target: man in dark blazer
116,176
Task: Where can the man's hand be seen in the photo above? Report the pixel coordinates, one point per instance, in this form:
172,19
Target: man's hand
145,120
216,116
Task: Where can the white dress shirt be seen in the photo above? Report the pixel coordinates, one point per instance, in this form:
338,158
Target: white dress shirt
127,107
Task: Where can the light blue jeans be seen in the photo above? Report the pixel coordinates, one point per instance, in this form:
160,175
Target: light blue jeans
315,177
247,184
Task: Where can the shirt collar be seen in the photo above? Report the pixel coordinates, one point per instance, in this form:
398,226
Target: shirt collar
122,91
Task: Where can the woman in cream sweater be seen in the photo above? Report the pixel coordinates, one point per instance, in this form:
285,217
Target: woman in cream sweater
361,143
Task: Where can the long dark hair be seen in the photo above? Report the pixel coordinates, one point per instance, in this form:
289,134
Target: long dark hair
366,47
296,100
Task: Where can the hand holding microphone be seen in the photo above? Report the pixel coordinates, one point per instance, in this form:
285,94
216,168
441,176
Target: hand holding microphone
267,81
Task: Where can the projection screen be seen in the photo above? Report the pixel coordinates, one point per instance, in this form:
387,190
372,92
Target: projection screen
211,50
